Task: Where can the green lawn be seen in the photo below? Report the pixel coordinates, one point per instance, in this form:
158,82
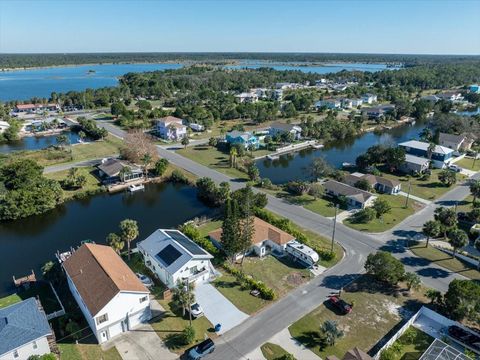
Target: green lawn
412,344
87,352
322,206
445,260
398,213
92,185
273,351
41,289
209,227
426,189
376,311
465,205
213,158
170,325
9,300
468,163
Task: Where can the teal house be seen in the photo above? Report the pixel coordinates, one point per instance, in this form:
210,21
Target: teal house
242,137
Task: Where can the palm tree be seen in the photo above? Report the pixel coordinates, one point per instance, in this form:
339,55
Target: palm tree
331,332
115,242
128,232
183,296
431,228
62,140
447,219
146,160
233,156
82,135
185,141
430,150
413,281
124,172
458,239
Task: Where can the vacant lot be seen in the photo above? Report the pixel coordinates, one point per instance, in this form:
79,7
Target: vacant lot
469,163
376,311
92,184
426,189
398,213
322,206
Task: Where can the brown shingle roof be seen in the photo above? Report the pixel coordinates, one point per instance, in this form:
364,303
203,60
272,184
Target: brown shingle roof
263,231
99,274
356,354
170,119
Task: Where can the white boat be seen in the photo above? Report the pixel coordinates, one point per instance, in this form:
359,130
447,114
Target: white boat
348,165
133,187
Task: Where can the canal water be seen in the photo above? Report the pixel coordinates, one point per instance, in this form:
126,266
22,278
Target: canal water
37,142
323,69
292,166
28,243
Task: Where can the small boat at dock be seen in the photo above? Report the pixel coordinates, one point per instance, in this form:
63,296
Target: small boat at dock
347,165
133,187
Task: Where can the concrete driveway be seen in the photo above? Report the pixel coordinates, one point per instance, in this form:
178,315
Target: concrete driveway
217,308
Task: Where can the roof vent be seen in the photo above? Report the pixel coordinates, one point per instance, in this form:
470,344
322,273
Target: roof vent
3,322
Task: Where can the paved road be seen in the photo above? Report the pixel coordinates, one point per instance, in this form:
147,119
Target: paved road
85,163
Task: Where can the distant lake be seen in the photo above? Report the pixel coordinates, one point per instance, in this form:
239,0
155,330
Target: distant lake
25,84
37,142
41,82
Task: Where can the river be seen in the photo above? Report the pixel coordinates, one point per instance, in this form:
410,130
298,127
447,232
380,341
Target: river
291,166
41,82
28,243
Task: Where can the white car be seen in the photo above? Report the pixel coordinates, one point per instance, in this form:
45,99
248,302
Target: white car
145,280
196,310
455,168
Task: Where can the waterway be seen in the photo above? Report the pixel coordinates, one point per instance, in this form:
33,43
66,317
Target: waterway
37,142
292,166
28,243
41,82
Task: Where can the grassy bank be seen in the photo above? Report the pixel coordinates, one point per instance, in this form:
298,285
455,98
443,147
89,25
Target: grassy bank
273,351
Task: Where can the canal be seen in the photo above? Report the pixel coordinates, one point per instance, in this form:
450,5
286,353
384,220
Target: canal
292,166
37,142
29,243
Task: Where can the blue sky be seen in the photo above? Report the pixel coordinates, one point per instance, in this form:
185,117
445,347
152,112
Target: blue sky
388,26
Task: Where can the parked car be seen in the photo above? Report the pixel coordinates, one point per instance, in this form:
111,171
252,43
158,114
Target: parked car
201,350
196,310
145,280
455,168
340,304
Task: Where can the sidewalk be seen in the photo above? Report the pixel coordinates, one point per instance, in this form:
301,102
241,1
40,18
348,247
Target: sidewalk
416,198
285,340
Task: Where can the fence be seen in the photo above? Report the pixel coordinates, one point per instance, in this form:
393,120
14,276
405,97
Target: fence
57,313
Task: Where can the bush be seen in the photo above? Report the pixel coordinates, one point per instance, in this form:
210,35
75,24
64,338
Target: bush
364,216
160,167
250,283
188,335
178,177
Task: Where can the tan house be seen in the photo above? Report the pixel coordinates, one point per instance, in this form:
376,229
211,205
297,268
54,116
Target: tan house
455,142
380,184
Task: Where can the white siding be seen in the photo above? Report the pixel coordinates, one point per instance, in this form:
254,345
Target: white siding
28,350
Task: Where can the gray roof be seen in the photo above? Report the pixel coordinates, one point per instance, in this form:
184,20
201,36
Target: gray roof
243,134
285,127
179,252
457,139
424,146
20,324
112,167
347,190
415,159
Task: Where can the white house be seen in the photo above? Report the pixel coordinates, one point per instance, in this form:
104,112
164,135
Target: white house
3,126
450,96
455,142
170,128
328,103
440,156
357,102
24,331
109,294
369,98
356,198
347,103
247,97
414,164
197,127
281,128
173,257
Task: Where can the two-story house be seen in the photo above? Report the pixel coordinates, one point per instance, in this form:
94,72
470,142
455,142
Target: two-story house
170,128
109,294
245,138
174,258
369,98
282,128
440,156
328,103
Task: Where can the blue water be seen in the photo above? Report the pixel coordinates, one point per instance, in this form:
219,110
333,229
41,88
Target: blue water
469,113
37,142
292,166
25,84
327,68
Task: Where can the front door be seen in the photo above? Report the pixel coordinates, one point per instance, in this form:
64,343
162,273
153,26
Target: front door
125,325
104,336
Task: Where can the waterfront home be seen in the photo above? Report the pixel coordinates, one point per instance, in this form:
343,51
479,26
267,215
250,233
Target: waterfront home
197,127
170,128
475,88
440,155
414,164
32,108
286,85
24,330
3,126
174,258
450,96
369,98
356,198
113,170
431,98
242,137
278,128
378,111
50,123
328,103
380,184
109,294
455,142
247,97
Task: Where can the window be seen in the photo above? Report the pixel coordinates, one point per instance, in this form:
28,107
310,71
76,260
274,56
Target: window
15,354
35,345
102,319
143,299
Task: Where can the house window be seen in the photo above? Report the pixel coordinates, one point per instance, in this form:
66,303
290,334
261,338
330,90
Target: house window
143,299
15,354
35,345
102,319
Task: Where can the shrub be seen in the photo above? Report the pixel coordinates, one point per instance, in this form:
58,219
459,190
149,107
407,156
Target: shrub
188,335
178,177
250,283
364,216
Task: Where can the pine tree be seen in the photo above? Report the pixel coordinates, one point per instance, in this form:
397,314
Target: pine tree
231,229
247,227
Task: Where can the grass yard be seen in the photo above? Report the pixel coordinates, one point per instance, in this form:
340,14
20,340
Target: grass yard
426,189
465,205
445,260
397,215
41,289
322,206
469,163
110,145
273,351
209,227
411,345
170,325
9,300
212,158
87,352
92,185
375,309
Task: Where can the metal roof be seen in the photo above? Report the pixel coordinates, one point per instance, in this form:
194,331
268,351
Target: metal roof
438,350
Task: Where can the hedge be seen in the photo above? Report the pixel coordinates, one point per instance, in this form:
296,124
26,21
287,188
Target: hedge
250,283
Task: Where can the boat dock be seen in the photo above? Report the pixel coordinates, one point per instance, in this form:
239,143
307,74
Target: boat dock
291,148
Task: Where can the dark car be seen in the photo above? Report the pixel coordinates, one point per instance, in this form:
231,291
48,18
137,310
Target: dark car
340,304
201,350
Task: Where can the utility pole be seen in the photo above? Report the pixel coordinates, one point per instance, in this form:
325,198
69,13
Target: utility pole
408,194
334,226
